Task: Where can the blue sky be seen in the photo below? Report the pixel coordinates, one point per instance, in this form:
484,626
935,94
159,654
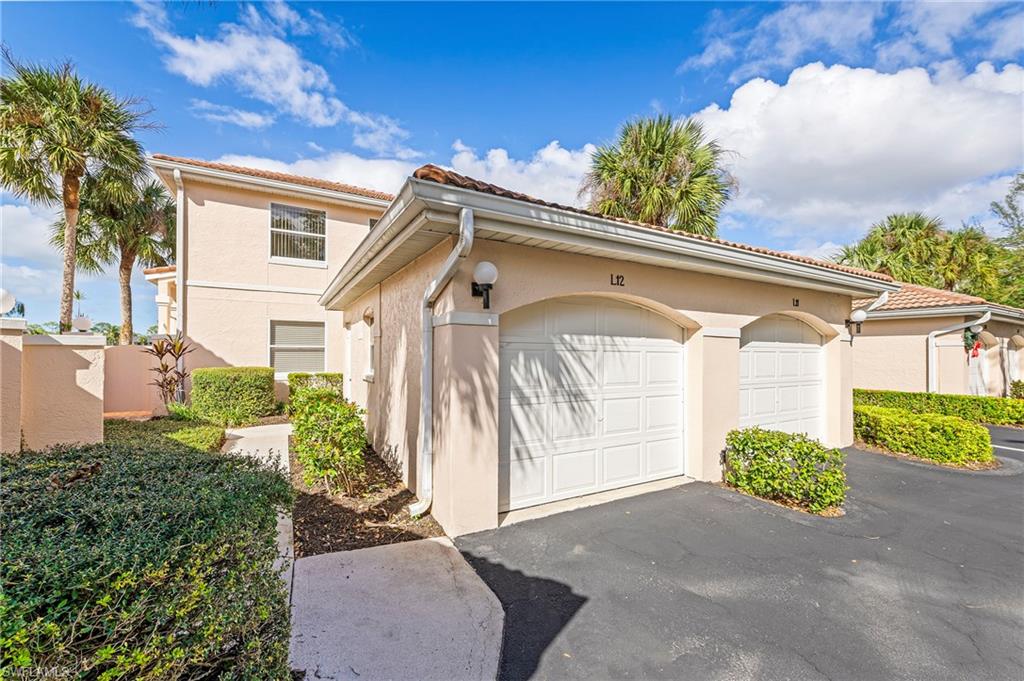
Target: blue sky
834,114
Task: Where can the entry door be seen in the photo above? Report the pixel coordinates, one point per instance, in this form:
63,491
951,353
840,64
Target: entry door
590,399
782,384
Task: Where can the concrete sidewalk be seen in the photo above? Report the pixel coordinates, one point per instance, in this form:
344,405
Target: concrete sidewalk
414,610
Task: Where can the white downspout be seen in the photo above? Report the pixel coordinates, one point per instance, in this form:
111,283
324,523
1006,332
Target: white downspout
425,470
179,254
933,355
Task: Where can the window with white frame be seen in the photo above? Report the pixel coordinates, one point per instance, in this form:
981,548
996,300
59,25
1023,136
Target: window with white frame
298,233
296,346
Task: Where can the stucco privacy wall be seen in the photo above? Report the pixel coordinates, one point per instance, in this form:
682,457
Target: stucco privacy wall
128,380
713,309
62,389
11,332
233,290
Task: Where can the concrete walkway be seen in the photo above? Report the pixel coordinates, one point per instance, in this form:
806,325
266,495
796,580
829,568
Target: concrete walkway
414,610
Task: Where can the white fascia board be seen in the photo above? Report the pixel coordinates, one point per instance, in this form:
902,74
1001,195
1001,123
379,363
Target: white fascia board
249,181
571,227
947,311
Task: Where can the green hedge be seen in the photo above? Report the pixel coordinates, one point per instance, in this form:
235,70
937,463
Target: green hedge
128,562
1001,411
329,437
1017,390
233,396
946,439
781,466
300,380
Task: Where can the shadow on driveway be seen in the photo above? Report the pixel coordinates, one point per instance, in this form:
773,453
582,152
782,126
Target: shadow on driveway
923,579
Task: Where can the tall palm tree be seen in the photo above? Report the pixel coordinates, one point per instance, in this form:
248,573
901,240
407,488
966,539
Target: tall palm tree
661,171
906,246
55,129
111,229
971,263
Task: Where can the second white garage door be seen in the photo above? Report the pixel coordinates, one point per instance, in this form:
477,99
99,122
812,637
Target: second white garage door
590,399
782,376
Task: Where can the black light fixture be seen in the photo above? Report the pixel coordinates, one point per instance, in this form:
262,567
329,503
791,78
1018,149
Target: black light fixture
857,318
485,274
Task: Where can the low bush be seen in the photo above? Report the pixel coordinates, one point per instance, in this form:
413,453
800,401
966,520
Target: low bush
329,437
182,412
300,380
164,433
1017,390
233,396
127,562
785,467
1002,411
946,439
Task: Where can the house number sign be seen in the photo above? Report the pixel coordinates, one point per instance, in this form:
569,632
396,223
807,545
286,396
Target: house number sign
618,280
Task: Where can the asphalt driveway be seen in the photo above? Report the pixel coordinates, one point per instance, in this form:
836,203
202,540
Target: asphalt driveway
923,579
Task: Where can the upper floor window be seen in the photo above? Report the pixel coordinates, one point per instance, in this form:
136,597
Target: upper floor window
298,233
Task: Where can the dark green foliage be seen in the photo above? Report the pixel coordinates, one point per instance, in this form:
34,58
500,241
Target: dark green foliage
300,380
142,561
785,467
946,439
1017,390
1000,411
233,396
329,437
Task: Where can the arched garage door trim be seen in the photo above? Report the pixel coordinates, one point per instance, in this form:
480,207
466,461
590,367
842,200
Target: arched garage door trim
590,399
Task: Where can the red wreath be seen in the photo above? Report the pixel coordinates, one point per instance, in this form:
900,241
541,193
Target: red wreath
976,350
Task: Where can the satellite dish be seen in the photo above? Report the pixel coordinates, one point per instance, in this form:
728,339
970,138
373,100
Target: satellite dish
7,301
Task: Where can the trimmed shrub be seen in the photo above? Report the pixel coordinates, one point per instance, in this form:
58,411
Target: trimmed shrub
1000,411
329,437
1017,390
300,380
946,439
787,467
129,562
163,434
182,412
233,396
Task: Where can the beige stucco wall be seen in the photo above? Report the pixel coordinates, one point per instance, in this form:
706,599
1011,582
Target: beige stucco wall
233,289
62,390
128,380
713,309
11,331
892,354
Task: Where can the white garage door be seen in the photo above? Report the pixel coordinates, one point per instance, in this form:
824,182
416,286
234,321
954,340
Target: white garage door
782,376
590,399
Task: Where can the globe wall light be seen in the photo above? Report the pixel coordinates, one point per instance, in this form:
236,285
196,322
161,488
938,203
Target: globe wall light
485,274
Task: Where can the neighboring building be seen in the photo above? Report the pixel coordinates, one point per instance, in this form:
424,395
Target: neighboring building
255,250
915,342
612,354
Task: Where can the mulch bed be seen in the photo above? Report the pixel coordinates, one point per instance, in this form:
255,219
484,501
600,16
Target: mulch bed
376,514
968,466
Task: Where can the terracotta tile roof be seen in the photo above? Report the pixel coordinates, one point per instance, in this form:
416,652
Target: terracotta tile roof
160,270
914,297
280,177
434,173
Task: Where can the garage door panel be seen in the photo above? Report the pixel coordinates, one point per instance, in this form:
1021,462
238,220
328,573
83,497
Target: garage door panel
622,464
789,364
766,364
662,457
762,401
603,409
623,416
810,364
573,471
788,399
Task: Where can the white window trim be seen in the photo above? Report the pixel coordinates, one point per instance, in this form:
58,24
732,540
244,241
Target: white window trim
371,362
296,262
283,375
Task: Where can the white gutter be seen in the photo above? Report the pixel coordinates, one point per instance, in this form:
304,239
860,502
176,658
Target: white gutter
179,251
933,357
425,471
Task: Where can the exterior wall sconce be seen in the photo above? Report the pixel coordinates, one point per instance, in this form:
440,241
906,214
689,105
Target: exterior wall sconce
857,318
484,276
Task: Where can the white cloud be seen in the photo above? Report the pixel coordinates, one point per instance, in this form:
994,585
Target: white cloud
833,149
220,113
25,233
1005,36
783,38
257,59
382,174
932,30
553,173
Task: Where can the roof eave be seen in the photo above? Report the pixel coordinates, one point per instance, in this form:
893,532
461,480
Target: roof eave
998,313
164,168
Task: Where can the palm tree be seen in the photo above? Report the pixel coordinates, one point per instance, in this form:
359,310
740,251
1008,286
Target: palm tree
55,129
661,171
906,246
139,230
971,263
